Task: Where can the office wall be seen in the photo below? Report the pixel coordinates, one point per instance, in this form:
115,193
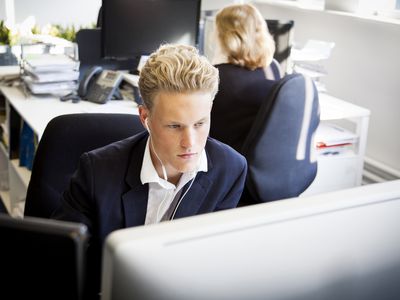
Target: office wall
363,69
2,9
217,4
78,12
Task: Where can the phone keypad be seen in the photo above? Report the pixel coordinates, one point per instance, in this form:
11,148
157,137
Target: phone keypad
100,94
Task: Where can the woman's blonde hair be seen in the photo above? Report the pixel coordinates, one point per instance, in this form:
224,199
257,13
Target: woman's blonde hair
176,69
244,37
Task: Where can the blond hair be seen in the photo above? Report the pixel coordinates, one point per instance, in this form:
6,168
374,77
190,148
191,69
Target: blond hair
244,37
176,69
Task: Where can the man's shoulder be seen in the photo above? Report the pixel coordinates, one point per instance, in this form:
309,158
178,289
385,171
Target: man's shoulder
120,147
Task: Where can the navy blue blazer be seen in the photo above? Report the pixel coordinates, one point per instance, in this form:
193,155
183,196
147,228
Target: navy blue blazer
106,193
240,95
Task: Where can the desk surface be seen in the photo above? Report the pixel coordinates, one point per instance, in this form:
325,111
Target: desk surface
38,111
333,108
9,70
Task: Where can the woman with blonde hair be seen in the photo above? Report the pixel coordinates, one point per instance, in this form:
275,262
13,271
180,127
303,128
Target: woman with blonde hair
244,51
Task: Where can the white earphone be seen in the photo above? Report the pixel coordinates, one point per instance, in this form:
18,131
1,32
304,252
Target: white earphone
166,177
154,150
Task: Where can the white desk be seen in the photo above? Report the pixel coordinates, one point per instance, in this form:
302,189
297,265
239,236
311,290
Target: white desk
9,71
37,113
334,173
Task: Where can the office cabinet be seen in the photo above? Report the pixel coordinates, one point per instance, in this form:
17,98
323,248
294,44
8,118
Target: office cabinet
343,170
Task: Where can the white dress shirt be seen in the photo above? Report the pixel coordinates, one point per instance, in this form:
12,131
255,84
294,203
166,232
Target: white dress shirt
162,192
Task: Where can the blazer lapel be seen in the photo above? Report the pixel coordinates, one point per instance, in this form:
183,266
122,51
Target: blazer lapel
134,201
135,206
190,205
195,197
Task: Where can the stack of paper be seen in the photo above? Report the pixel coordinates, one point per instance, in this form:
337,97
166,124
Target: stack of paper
310,59
332,139
51,74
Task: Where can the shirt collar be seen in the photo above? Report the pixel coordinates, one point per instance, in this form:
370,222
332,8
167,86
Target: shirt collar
148,173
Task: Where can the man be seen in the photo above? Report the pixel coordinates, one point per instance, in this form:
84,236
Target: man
171,171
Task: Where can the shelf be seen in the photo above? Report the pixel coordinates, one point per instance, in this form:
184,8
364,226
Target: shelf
5,196
317,7
23,173
330,177
347,155
3,149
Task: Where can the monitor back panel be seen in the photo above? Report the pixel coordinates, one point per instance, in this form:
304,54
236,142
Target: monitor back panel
342,245
42,259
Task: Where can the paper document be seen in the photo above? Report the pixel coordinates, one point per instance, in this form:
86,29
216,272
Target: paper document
50,87
50,62
328,134
67,75
132,79
313,50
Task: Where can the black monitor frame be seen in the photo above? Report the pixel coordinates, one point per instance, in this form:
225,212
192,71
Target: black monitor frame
282,33
131,32
42,258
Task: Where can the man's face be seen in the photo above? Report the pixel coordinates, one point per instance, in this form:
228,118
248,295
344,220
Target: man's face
179,125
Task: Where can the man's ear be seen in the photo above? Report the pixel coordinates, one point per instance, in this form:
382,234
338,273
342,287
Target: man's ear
143,114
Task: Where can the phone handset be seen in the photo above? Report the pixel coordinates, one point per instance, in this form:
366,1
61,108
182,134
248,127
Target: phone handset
88,79
99,85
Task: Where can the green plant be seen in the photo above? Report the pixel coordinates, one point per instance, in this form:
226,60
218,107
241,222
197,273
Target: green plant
68,32
4,34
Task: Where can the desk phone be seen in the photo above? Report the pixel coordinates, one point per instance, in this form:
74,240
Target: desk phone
99,85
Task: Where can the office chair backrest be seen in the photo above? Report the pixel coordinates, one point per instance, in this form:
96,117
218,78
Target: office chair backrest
273,71
279,147
65,138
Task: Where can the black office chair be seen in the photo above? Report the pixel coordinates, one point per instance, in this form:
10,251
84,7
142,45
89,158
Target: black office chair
3,209
279,147
65,138
274,70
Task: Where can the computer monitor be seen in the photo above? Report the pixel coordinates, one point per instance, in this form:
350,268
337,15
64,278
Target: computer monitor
341,245
41,258
131,28
282,33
